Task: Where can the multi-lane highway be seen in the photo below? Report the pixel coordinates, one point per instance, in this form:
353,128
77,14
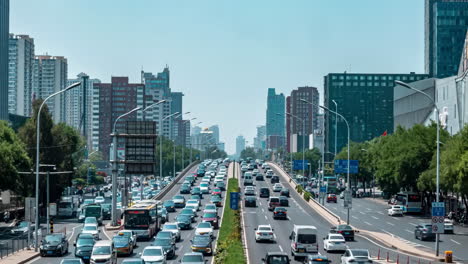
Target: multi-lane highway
73,229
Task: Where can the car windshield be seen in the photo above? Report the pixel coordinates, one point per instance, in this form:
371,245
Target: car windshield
53,238
89,228
90,220
178,197
183,217
360,253
106,206
210,206
85,242
168,203
209,215
120,241
170,226
264,228
192,202
192,258
71,261
23,224
204,185
277,259
162,242
101,250
152,252
336,237
163,234
201,239
344,227
204,225
306,238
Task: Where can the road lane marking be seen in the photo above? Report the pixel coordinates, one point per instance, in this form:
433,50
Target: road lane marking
263,210
380,213
362,213
354,217
413,224
367,223
266,217
390,224
280,248
455,242
376,218
73,231
409,231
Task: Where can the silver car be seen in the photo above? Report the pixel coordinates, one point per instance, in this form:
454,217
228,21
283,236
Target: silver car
193,258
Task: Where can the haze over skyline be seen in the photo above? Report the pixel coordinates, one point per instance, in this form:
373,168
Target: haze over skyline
224,55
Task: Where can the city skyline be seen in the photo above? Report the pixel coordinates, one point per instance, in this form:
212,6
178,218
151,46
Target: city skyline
234,38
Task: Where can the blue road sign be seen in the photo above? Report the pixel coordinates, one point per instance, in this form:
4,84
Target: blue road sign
438,209
341,166
323,189
297,164
234,198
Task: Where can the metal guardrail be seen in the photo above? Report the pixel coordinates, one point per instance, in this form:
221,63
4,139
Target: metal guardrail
11,243
168,187
313,200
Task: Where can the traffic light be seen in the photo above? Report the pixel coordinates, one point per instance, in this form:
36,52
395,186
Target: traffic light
51,224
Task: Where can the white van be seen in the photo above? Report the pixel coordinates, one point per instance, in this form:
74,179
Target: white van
104,251
303,241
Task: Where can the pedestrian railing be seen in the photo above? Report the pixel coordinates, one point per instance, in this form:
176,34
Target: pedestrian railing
11,243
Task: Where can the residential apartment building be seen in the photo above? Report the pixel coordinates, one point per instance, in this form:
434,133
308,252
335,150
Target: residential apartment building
4,31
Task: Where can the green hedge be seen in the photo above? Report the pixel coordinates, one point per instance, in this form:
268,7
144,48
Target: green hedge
229,249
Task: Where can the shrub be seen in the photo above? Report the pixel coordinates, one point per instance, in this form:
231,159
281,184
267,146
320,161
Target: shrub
307,196
299,189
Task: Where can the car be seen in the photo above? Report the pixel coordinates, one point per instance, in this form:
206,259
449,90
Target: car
166,235
174,228
221,185
167,245
202,243
276,258
303,241
169,205
133,261
205,188
189,212
123,245
345,230
269,174
163,214
83,246
216,191
264,233
264,192
91,229
185,189
249,191
104,252
71,261
424,232
179,201
255,172
316,259
250,201
283,201
54,245
358,256
395,210
184,222
284,192
193,258
153,254
131,234
210,208
91,221
274,179
215,199
280,213
342,195
448,226
21,228
334,242
331,198
193,202
99,199
273,202
204,229
259,177
248,180
211,218
197,191
277,187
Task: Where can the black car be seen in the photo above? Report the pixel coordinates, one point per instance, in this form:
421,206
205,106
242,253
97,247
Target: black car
284,192
84,246
106,211
274,179
185,189
345,230
280,213
283,200
424,232
250,201
54,245
264,192
276,258
202,243
259,177
169,205
167,245
184,222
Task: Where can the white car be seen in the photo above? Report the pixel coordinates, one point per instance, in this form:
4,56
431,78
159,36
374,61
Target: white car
204,228
334,242
205,187
352,256
277,187
269,173
448,226
194,209
395,210
91,229
153,254
174,228
99,199
264,233
210,208
193,202
219,178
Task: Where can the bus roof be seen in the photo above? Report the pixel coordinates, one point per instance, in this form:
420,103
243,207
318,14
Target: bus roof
142,206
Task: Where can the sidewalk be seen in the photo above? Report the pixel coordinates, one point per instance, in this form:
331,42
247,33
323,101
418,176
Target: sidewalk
20,257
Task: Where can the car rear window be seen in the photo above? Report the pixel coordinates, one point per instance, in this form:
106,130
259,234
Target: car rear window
307,238
274,200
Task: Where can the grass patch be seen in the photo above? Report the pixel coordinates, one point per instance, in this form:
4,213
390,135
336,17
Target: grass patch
229,249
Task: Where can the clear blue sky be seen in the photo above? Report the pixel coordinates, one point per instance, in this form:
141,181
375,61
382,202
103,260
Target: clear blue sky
224,55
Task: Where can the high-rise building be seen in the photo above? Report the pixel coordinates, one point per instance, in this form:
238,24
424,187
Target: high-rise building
114,99
4,31
301,113
445,24
275,124
20,74
365,100
79,103
50,76
215,129
240,145
259,141
176,107
182,132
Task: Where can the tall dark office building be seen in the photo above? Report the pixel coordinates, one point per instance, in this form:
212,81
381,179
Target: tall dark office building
275,125
365,100
445,26
4,36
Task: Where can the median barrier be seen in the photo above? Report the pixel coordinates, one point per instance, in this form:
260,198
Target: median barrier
166,189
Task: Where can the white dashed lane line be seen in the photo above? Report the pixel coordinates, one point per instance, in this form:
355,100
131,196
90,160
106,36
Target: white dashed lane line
388,223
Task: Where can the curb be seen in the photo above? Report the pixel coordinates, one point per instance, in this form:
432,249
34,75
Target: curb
108,227
29,258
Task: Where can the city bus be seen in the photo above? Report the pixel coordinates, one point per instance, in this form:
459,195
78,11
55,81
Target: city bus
411,201
94,210
142,218
331,183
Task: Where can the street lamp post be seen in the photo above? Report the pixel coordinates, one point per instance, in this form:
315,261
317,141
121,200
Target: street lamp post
38,125
336,126
160,142
115,165
438,150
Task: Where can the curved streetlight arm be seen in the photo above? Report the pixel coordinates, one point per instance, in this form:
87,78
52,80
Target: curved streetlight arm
418,91
126,114
153,105
169,116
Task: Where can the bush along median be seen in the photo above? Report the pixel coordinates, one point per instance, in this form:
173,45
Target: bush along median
229,248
